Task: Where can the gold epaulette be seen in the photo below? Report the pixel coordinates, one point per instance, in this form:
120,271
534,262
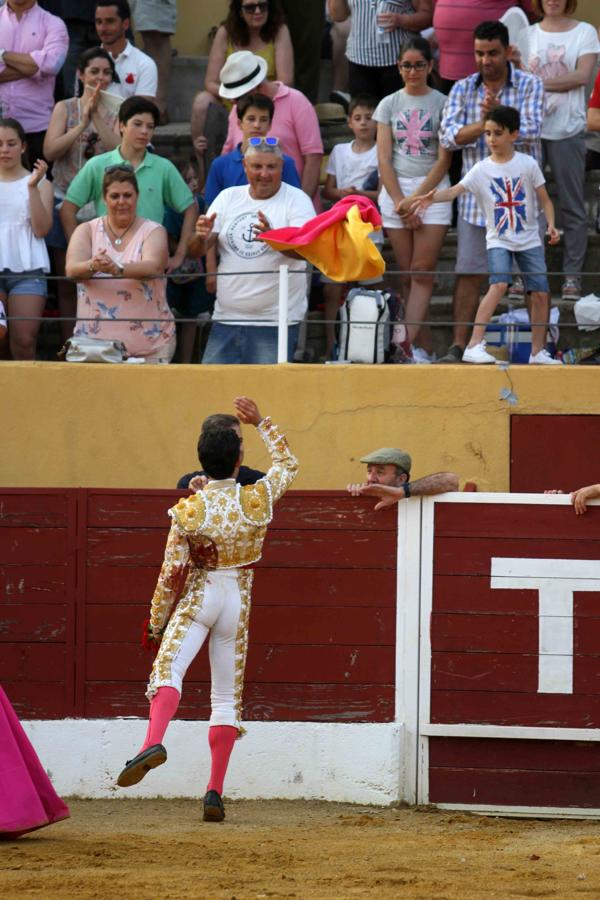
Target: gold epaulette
190,513
255,500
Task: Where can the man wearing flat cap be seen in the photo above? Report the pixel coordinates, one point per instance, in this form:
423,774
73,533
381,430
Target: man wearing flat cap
388,478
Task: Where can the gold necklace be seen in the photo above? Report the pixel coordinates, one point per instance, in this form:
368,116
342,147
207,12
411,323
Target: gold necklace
118,240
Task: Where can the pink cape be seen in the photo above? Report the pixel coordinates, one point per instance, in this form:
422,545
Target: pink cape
27,798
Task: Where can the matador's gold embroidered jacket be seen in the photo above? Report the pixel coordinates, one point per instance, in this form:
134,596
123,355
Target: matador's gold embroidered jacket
221,527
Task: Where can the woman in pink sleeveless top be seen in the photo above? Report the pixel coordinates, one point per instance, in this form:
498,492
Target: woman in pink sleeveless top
130,306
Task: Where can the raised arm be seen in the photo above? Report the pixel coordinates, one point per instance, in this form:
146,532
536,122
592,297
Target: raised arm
41,200
284,465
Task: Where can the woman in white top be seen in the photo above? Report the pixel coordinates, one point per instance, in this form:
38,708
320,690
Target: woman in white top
411,162
79,129
25,218
563,53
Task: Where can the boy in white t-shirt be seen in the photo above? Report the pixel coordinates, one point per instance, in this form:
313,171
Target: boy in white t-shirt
351,169
508,187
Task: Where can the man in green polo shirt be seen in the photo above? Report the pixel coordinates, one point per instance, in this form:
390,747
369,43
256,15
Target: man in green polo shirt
159,182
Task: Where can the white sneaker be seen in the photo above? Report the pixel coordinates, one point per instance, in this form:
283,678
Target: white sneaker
422,357
478,355
543,358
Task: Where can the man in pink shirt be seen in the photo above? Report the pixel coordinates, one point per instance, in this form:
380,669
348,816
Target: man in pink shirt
33,48
295,121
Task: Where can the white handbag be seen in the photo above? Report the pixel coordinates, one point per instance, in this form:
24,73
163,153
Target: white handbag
94,350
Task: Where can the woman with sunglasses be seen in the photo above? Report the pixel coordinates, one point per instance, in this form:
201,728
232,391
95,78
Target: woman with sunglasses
131,306
78,130
256,25
410,161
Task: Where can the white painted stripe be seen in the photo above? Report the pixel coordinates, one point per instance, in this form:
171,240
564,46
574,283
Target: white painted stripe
555,581
539,812
547,570
533,732
508,499
407,645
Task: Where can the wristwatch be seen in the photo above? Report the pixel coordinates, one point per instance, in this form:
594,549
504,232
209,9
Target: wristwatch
120,268
2,52
406,487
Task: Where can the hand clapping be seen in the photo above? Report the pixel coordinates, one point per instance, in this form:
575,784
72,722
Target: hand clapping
39,170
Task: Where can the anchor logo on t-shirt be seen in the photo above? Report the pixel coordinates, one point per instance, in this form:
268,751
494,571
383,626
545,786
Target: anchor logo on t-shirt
241,236
249,234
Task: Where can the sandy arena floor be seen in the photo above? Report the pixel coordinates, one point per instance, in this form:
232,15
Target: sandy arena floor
133,849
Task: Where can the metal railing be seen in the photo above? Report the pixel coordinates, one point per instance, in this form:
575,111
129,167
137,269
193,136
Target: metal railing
284,273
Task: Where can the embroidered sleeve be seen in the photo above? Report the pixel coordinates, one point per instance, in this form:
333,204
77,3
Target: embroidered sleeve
284,465
171,578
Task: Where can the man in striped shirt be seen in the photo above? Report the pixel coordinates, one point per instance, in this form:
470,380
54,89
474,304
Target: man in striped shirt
496,83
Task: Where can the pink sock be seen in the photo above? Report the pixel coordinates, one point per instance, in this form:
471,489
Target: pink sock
221,739
163,707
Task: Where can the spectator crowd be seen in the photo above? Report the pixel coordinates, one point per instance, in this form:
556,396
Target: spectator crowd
451,125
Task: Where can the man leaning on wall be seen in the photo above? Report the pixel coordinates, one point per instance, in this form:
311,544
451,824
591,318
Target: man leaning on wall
388,479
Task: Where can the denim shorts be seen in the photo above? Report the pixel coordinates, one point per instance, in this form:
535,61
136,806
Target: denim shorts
23,283
500,264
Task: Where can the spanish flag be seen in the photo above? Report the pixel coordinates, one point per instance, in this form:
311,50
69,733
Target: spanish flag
337,242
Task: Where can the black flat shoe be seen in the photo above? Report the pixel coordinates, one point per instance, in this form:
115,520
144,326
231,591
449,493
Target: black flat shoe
214,811
140,765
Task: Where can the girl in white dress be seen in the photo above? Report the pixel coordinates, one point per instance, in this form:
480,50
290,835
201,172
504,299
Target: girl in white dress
26,202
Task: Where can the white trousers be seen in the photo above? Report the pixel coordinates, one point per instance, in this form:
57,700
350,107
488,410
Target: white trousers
223,615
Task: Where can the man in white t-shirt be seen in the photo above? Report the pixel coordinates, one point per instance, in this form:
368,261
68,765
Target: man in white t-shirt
138,75
244,328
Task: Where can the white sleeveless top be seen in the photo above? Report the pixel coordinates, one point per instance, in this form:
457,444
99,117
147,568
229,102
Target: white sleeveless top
20,249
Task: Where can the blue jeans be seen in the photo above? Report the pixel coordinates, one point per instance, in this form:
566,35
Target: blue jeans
500,262
246,344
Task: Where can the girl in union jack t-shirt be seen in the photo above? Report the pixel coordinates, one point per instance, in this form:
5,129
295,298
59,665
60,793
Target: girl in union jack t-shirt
510,188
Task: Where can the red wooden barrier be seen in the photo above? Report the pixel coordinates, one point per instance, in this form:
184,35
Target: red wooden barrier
485,662
553,452
78,567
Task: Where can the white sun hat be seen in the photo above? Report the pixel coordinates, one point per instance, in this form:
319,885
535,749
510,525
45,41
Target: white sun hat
242,72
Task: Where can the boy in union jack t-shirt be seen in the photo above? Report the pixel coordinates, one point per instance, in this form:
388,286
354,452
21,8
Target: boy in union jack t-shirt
508,187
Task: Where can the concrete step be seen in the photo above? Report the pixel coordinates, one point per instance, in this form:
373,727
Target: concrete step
187,78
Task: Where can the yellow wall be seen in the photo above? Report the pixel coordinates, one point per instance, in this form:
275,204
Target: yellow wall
196,18
65,425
